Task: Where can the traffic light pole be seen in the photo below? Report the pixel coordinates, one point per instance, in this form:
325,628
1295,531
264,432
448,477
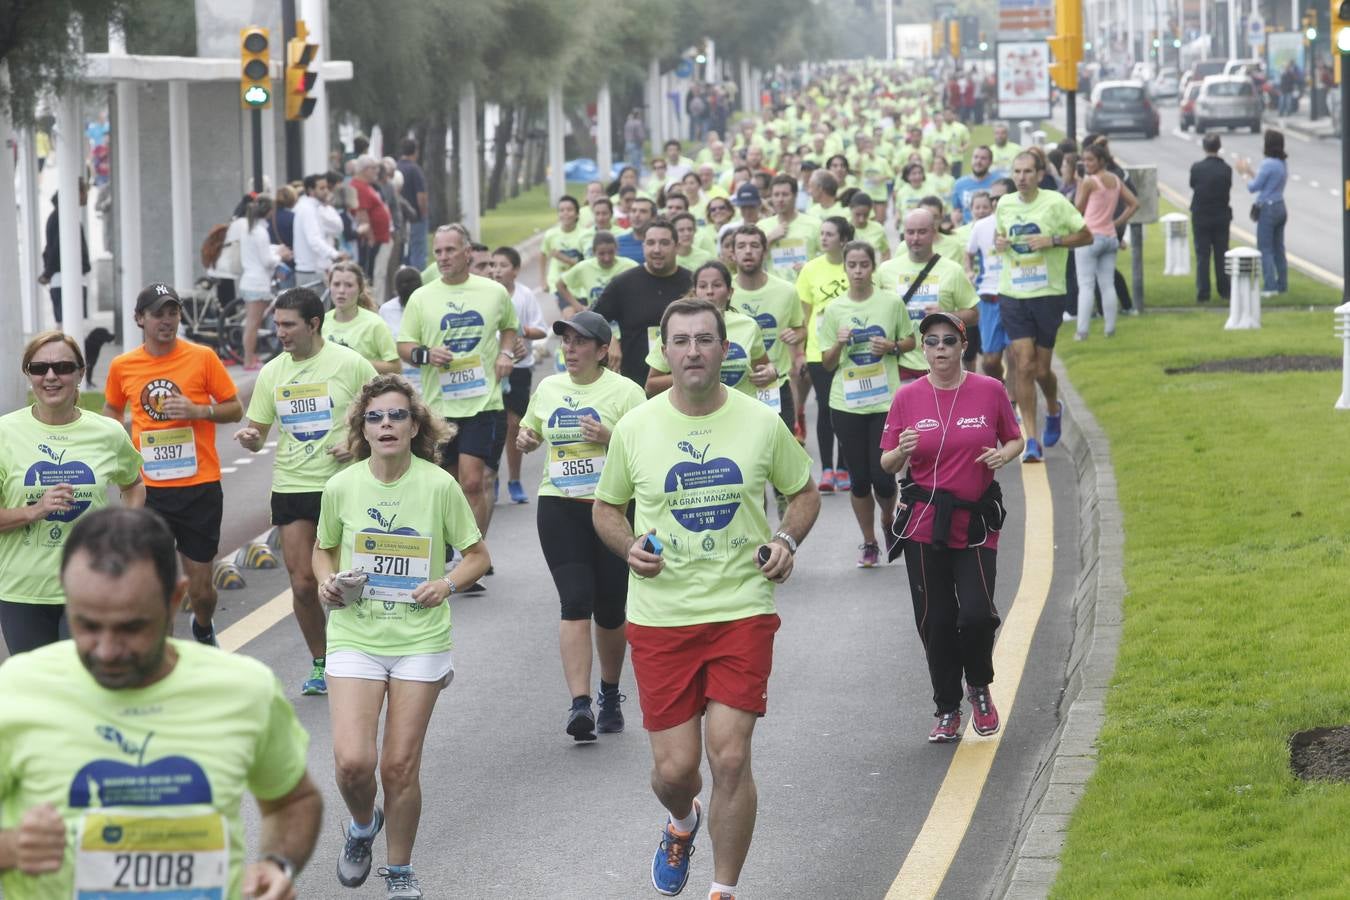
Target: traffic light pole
1071,115
257,151
294,160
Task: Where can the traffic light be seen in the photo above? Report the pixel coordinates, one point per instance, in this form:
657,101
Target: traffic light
1340,24
954,36
1310,24
255,68
939,39
1066,45
299,79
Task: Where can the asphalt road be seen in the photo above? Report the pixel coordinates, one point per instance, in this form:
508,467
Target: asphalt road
1312,194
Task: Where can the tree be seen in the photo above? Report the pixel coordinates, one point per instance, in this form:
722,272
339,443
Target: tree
42,48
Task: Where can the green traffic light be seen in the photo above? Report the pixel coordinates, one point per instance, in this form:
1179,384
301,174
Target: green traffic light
1311,34
1343,40
257,95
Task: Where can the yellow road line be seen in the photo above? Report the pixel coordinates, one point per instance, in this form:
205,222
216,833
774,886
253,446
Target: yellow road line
933,850
256,622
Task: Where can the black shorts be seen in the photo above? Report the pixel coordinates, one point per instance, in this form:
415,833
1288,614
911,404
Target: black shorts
288,508
518,398
788,410
494,461
1037,318
972,343
592,582
477,436
193,514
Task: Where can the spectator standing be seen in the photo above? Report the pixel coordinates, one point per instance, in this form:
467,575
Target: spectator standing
316,225
373,221
51,255
1267,187
260,258
415,192
1211,213
634,136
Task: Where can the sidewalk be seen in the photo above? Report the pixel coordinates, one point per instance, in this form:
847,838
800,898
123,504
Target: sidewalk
1322,128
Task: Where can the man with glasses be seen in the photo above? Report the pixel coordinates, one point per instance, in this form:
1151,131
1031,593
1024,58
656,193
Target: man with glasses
306,391
702,568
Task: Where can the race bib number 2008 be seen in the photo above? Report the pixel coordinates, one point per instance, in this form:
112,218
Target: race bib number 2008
142,855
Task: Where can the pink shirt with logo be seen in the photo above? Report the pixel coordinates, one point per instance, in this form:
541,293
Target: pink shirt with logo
955,427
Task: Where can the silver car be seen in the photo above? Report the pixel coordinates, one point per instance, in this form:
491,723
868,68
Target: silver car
1228,100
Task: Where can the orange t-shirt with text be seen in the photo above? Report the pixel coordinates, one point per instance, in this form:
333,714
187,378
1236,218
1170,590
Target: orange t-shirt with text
143,381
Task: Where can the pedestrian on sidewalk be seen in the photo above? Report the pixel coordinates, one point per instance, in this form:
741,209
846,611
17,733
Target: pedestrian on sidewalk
1267,185
1211,214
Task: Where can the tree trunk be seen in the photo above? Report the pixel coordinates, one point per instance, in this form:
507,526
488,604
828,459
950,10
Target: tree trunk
434,165
501,140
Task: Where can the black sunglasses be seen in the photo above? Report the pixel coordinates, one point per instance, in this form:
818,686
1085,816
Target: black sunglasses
376,416
60,368
947,340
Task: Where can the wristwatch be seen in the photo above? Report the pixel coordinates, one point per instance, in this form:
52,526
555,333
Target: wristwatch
1055,240
453,589
285,865
787,539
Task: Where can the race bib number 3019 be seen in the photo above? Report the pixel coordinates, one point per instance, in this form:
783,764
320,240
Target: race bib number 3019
305,410
138,855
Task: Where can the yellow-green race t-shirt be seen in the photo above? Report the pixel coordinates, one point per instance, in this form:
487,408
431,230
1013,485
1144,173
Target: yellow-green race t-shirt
574,244
466,319
818,284
88,454
699,481
366,333
745,343
308,401
864,382
773,307
148,780
587,279
1031,273
573,465
794,249
398,534
945,287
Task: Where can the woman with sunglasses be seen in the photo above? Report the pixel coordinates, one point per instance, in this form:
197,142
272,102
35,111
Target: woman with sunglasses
56,463
392,516
954,429
572,415
720,213
862,335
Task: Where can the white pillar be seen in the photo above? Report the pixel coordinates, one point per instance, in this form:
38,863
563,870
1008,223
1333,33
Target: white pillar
890,30
315,129
1129,33
604,132
13,386
30,229
746,98
710,67
557,186
127,199
654,105
1204,16
180,185
69,163
1232,29
470,195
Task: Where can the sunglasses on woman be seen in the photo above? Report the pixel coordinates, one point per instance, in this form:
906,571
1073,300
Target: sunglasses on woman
376,416
947,340
64,367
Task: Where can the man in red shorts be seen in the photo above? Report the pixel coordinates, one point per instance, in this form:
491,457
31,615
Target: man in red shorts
702,570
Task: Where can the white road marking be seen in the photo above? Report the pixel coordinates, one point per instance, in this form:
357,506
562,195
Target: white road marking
243,461
1298,177
228,470
1313,184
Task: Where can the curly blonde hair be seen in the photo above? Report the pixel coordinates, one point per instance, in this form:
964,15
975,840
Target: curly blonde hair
430,430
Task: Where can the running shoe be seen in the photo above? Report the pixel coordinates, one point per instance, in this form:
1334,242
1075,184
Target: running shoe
207,637
581,722
1033,452
610,720
842,482
983,713
315,685
799,429
947,730
517,492
400,885
353,865
720,895
670,865
1051,433
826,485
871,556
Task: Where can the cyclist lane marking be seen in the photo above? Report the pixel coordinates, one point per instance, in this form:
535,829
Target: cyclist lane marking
931,854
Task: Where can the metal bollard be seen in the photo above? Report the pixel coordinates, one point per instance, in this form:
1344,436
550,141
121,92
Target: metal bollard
1343,331
1244,304
1177,244
1038,138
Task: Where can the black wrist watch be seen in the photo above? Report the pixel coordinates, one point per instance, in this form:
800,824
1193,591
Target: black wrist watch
421,356
285,865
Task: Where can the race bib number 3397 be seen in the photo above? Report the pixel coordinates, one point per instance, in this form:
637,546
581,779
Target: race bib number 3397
139,855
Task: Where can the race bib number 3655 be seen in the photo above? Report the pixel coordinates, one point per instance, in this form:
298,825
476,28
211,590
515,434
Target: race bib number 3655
139,855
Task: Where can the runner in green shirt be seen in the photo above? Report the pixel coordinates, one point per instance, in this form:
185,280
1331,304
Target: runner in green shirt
56,463
861,335
696,461
354,321
572,416
819,283
306,390
794,238
866,227
909,190
564,245
581,285
381,550
773,304
1034,232
457,329
687,254
745,365
125,753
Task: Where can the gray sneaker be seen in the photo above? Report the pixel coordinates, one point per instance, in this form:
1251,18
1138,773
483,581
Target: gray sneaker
353,865
401,885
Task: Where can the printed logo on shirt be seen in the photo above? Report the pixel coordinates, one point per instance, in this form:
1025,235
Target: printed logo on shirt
153,396
767,324
43,474
1022,228
860,341
972,422
925,424
463,327
703,494
168,781
564,425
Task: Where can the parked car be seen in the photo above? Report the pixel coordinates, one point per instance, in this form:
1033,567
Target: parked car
1230,100
1117,106
1188,105
1243,66
1200,71
1166,83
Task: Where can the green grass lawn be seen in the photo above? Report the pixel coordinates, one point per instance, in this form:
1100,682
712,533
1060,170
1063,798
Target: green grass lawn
90,399
520,217
1234,636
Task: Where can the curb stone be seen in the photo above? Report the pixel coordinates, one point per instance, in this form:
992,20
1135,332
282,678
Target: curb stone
1071,756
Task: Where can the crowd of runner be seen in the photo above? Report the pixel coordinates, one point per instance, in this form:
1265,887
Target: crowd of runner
850,241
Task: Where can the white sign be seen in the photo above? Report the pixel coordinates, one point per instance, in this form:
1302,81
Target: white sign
1256,30
1023,71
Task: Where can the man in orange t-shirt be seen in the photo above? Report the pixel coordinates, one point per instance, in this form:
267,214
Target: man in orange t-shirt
178,391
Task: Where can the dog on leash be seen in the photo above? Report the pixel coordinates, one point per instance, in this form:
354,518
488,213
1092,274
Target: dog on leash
93,345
